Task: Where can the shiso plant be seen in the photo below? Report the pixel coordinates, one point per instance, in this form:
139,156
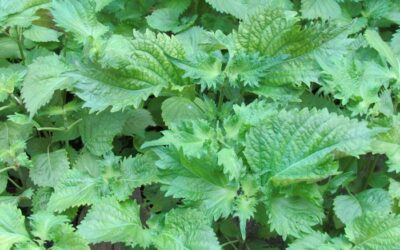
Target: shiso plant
191,124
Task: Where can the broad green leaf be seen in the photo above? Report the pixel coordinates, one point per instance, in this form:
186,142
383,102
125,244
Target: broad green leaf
295,146
110,221
240,8
98,130
10,78
318,240
131,71
293,216
76,188
67,238
41,34
20,13
374,231
184,229
167,18
274,32
376,42
349,207
177,109
78,17
193,137
233,165
43,78
137,121
44,224
394,190
49,168
324,9
12,226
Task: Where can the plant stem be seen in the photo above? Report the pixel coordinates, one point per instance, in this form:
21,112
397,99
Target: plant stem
20,42
221,98
230,243
6,169
14,183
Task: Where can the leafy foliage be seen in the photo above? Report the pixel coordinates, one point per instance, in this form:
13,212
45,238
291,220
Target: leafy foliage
246,124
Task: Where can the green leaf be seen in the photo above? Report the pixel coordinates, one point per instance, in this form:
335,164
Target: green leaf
394,190
282,35
349,207
12,227
318,240
376,42
98,130
245,208
186,229
66,238
233,165
295,146
177,109
324,9
137,121
49,168
374,231
78,17
167,18
10,78
44,223
75,189
131,71
41,34
293,216
43,78
238,8
193,137
110,221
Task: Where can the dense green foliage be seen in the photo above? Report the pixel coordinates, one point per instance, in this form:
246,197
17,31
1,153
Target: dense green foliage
191,125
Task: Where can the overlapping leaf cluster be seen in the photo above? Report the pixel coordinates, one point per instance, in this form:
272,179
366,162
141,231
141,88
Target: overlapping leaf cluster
233,124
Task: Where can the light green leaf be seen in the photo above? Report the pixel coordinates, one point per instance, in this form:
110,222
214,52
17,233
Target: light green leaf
137,121
44,224
131,71
186,229
78,17
110,221
12,227
295,146
238,8
75,189
167,18
43,78
274,32
66,238
41,34
376,42
177,109
49,168
245,207
233,165
394,190
324,9
374,231
98,130
349,207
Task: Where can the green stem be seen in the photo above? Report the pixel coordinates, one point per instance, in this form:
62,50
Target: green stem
59,129
371,168
230,243
20,43
221,98
6,169
14,183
